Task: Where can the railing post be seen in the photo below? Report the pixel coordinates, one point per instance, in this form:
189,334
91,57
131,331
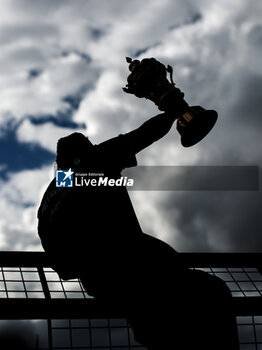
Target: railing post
47,296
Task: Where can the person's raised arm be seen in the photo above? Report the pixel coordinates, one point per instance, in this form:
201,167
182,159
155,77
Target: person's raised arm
150,131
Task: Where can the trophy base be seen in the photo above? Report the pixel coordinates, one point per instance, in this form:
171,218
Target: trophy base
195,124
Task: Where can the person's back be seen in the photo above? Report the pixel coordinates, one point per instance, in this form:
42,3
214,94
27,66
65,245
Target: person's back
84,224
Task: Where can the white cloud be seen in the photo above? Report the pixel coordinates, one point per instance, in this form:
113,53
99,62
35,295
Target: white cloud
19,199
45,135
61,76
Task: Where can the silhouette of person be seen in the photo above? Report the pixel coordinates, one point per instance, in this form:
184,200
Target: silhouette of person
92,233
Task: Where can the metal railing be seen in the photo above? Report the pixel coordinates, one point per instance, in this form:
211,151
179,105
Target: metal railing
31,290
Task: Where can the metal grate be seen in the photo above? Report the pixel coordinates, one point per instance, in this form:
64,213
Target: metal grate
27,278
250,332
27,283
64,289
242,281
71,334
93,334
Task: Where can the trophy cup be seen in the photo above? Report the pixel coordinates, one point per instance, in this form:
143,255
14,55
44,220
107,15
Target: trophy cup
148,79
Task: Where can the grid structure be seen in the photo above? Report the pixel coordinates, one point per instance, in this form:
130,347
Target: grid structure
250,332
93,334
242,281
36,281
84,334
22,282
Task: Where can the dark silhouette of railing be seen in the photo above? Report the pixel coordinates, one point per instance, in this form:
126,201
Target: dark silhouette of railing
30,289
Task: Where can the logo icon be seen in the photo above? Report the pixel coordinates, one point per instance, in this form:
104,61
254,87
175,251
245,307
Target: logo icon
64,178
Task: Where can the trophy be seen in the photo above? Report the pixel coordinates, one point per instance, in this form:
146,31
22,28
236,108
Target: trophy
148,79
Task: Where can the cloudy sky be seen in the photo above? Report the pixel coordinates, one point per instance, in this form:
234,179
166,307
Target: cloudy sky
62,69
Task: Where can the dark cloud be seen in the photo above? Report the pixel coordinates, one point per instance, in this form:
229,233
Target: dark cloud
248,106
34,73
22,58
192,20
60,120
215,221
83,55
36,9
19,32
143,51
97,33
194,178
255,36
73,100
207,208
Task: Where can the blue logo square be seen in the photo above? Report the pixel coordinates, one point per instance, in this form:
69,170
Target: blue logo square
64,178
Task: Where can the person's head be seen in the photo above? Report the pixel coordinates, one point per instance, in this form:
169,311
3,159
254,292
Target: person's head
71,150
